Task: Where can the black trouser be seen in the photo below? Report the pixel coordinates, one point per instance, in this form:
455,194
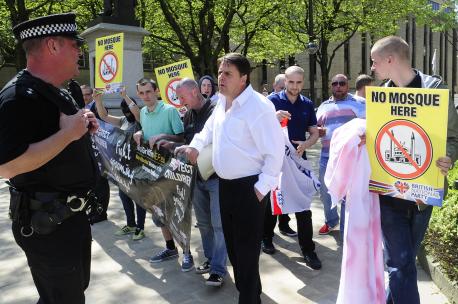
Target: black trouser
102,192
283,221
242,217
60,262
304,228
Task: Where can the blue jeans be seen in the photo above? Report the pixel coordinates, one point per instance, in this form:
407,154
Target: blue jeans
403,229
207,210
330,215
128,205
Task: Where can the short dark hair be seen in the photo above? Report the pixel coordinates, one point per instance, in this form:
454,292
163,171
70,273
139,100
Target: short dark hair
240,62
362,81
144,81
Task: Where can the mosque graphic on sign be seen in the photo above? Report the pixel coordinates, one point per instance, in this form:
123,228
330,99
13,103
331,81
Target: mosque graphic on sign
398,154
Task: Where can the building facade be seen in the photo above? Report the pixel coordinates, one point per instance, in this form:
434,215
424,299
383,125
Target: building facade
353,58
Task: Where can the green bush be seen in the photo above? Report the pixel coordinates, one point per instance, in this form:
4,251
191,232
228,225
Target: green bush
441,240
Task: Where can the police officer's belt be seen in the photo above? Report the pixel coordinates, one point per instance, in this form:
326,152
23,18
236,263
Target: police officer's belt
73,202
41,212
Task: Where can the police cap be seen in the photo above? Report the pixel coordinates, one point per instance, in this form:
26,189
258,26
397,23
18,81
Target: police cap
52,25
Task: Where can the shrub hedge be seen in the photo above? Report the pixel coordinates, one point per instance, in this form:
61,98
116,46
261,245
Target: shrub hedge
441,241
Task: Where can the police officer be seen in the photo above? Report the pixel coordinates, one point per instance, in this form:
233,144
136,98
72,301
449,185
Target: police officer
45,152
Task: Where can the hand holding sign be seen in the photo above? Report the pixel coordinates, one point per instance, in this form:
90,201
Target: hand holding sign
444,164
190,153
138,137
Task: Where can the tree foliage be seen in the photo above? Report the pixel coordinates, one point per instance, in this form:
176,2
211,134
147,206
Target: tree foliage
336,22
203,30
13,12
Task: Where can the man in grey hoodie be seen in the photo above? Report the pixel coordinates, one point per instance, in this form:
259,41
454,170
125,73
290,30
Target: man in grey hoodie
404,223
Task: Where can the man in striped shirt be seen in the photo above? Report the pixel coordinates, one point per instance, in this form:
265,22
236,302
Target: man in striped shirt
339,109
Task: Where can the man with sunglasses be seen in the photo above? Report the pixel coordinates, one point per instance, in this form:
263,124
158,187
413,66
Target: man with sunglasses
339,109
48,159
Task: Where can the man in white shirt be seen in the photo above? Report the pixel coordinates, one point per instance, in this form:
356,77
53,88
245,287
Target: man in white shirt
248,149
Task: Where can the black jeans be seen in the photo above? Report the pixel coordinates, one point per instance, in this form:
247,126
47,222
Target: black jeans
60,262
304,228
242,217
283,221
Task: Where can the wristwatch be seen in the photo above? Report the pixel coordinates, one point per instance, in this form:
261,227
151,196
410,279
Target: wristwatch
132,105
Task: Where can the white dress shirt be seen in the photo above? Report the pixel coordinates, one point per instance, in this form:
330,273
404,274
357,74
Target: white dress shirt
247,139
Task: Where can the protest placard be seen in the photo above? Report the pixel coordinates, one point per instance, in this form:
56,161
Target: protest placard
168,77
109,62
404,138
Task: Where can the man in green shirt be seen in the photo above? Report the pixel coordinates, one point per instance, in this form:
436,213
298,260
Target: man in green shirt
160,121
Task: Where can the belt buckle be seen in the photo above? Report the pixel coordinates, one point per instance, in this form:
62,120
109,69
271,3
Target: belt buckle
72,200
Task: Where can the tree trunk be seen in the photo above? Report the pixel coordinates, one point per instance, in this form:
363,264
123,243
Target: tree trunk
18,14
324,70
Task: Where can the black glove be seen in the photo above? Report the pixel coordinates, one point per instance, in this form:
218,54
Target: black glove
75,90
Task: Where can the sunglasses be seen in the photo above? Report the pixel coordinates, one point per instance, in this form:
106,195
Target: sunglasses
340,83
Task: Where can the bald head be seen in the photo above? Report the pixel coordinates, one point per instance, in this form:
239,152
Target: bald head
392,46
339,77
294,70
189,94
187,83
339,87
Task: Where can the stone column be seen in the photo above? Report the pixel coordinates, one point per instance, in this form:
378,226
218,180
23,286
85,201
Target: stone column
132,61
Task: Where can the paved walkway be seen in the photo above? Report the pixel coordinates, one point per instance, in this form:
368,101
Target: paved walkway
121,272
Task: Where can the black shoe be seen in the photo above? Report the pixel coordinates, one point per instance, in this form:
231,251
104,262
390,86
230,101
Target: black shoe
312,260
214,280
267,246
287,231
97,218
204,268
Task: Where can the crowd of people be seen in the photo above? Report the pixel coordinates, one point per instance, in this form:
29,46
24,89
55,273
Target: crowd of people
243,127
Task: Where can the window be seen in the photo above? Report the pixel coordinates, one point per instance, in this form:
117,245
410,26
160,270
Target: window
435,5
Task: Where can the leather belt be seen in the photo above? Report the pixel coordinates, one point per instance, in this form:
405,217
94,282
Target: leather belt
75,203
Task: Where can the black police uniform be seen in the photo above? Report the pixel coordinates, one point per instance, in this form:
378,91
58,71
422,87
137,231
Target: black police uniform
102,188
30,108
101,191
28,115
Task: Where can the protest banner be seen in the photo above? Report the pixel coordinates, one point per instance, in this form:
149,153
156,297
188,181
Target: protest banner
156,180
404,141
109,62
168,77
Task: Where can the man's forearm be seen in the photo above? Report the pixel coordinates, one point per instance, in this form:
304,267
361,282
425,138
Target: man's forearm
174,138
36,155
